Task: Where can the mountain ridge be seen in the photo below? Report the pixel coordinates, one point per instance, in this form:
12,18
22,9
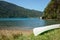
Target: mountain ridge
9,10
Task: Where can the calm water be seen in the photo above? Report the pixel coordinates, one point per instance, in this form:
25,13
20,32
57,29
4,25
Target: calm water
25,23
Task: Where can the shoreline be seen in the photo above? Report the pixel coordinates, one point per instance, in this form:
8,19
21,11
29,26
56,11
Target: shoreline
10,32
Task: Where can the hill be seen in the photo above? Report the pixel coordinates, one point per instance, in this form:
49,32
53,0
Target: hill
52,11
9,10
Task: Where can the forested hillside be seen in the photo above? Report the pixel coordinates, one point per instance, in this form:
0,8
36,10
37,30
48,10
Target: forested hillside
52,11
9,10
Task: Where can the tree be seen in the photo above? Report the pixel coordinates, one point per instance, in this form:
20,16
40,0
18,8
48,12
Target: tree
52,11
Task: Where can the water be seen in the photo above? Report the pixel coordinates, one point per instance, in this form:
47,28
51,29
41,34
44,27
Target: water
25,23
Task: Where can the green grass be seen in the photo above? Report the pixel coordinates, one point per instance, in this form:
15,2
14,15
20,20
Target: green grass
48,35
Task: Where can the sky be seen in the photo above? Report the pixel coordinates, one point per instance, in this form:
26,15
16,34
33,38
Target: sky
39,5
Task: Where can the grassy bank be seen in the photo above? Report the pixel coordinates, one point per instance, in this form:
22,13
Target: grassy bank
16,35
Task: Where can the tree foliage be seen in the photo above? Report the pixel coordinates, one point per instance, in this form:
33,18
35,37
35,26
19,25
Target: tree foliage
52,11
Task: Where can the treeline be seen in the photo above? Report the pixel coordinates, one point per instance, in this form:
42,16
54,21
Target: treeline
9,10
52,11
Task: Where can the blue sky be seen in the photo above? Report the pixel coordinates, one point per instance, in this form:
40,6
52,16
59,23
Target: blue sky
31,4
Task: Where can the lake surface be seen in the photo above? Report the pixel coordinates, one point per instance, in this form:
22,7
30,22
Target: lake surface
25,23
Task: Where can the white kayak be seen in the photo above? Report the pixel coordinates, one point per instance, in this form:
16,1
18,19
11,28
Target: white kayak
40,30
